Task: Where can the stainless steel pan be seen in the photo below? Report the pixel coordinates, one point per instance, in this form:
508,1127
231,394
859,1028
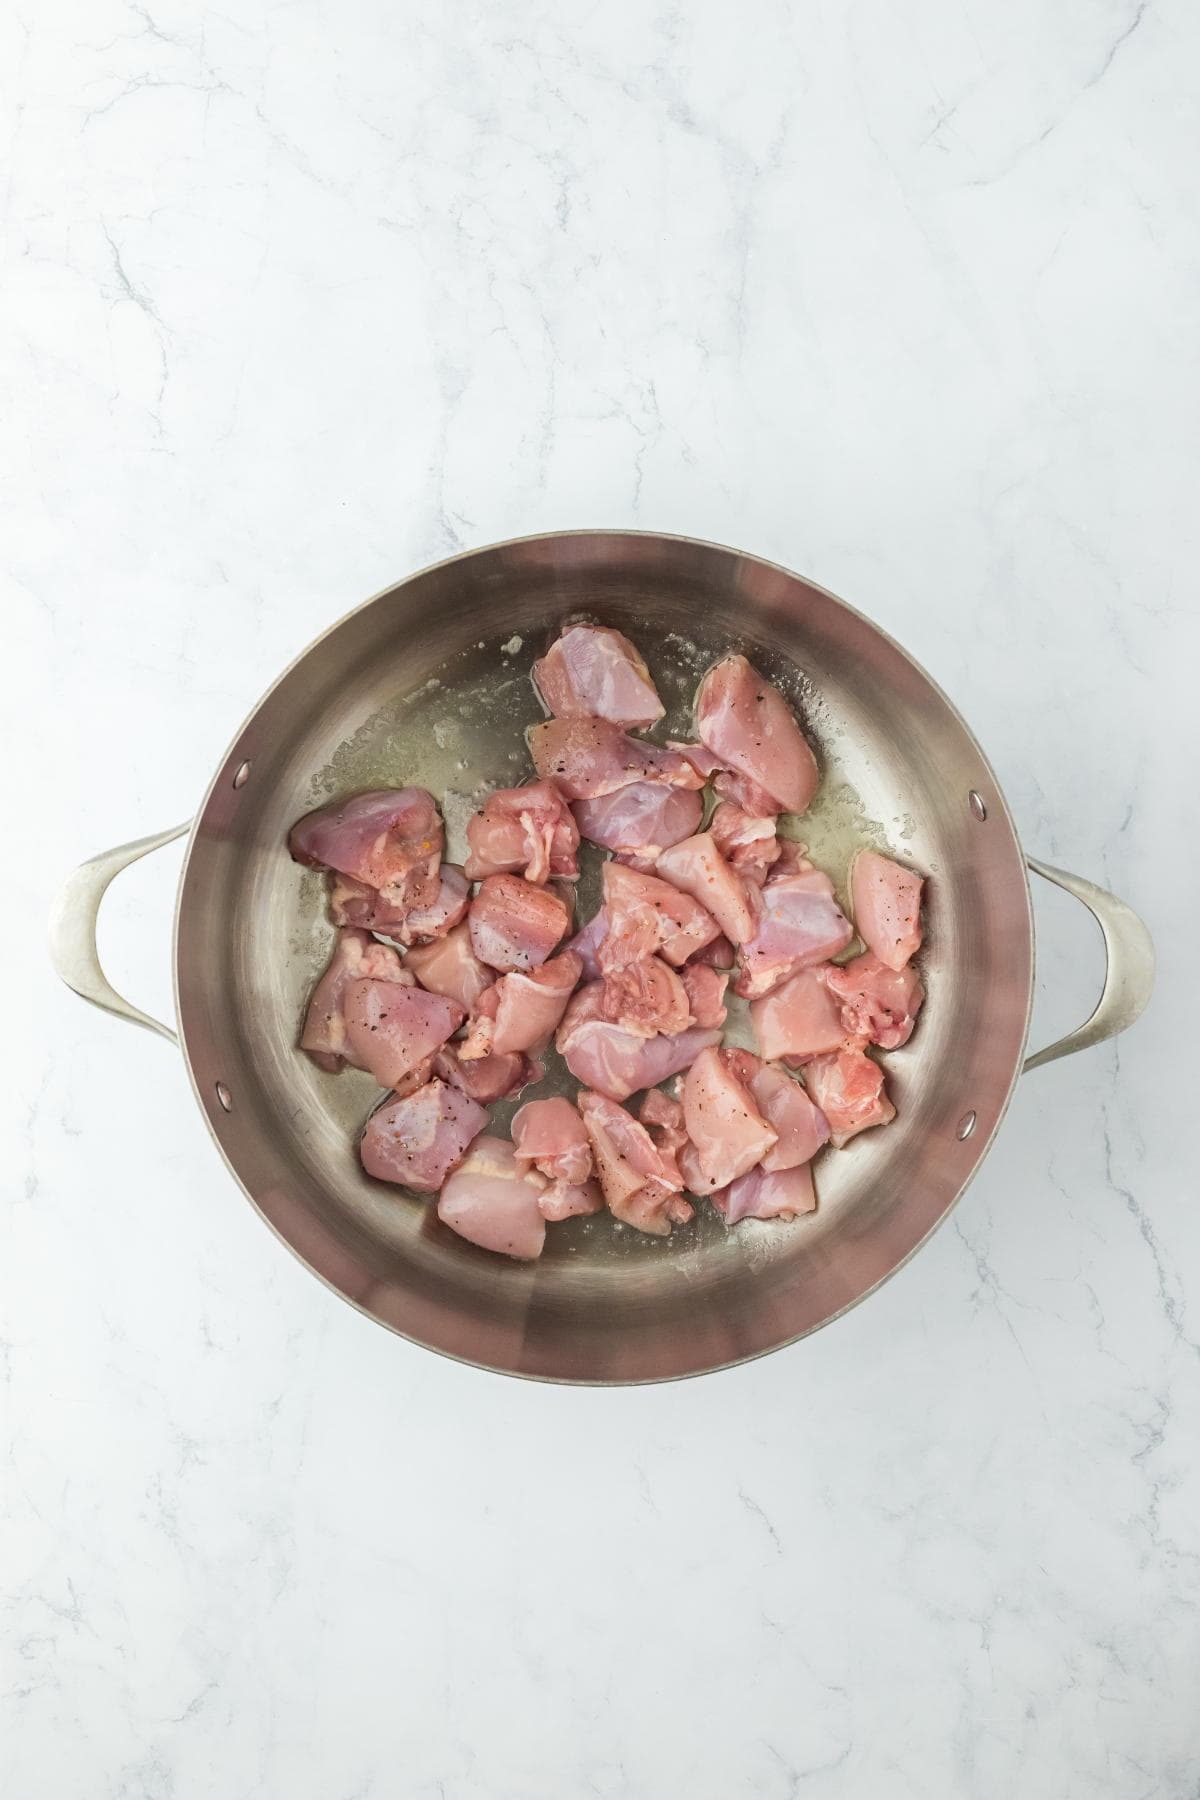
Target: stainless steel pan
428,683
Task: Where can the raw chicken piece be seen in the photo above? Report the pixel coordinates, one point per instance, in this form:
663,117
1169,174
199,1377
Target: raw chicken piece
450,966
695,1180
886,898
647,997
746,795
590,672
792,860
663,1119
705,989
802,1127
525,831
586,943
587,758
748,724
353,903
491,1201
563,1201
800,1019
390,839
800,924
418,1140
663,1111
742,1063
720,954
646,916
390,1029
702,760
738,790
768,1194
486,1078
614,1061
515,925
521,1012
642,1187
849,1090
726,1129
697,868
640,820
447,909
876,1002
355,956
550,1135
746,841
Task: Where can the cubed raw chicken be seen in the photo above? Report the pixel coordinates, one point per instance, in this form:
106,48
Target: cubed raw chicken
768,1194
353,903
525,831
447,909
697,868
726,1129
701,758
390,1029
586,944
801,1127
563,1201
641,1185
450,966
616,1062
356,956
640,820
662,1115
389,839
486,1078
746,795
705,990
418,1140
515,925
848,1088
886,898
521,1011
550,1136
877,1002
749,725
719,954
417,1076
799,925
792,860
588,758
647,997
747,841
592,672
492,1201
645,916
738,790
801,1018
662,1118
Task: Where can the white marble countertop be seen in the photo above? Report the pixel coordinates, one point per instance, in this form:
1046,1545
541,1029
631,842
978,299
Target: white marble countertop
299,297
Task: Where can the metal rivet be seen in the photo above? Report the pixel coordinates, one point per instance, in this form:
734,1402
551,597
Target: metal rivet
224,1096
966,1126
243,774
978,805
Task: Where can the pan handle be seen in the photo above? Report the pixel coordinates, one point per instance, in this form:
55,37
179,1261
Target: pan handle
1128,976
73,928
